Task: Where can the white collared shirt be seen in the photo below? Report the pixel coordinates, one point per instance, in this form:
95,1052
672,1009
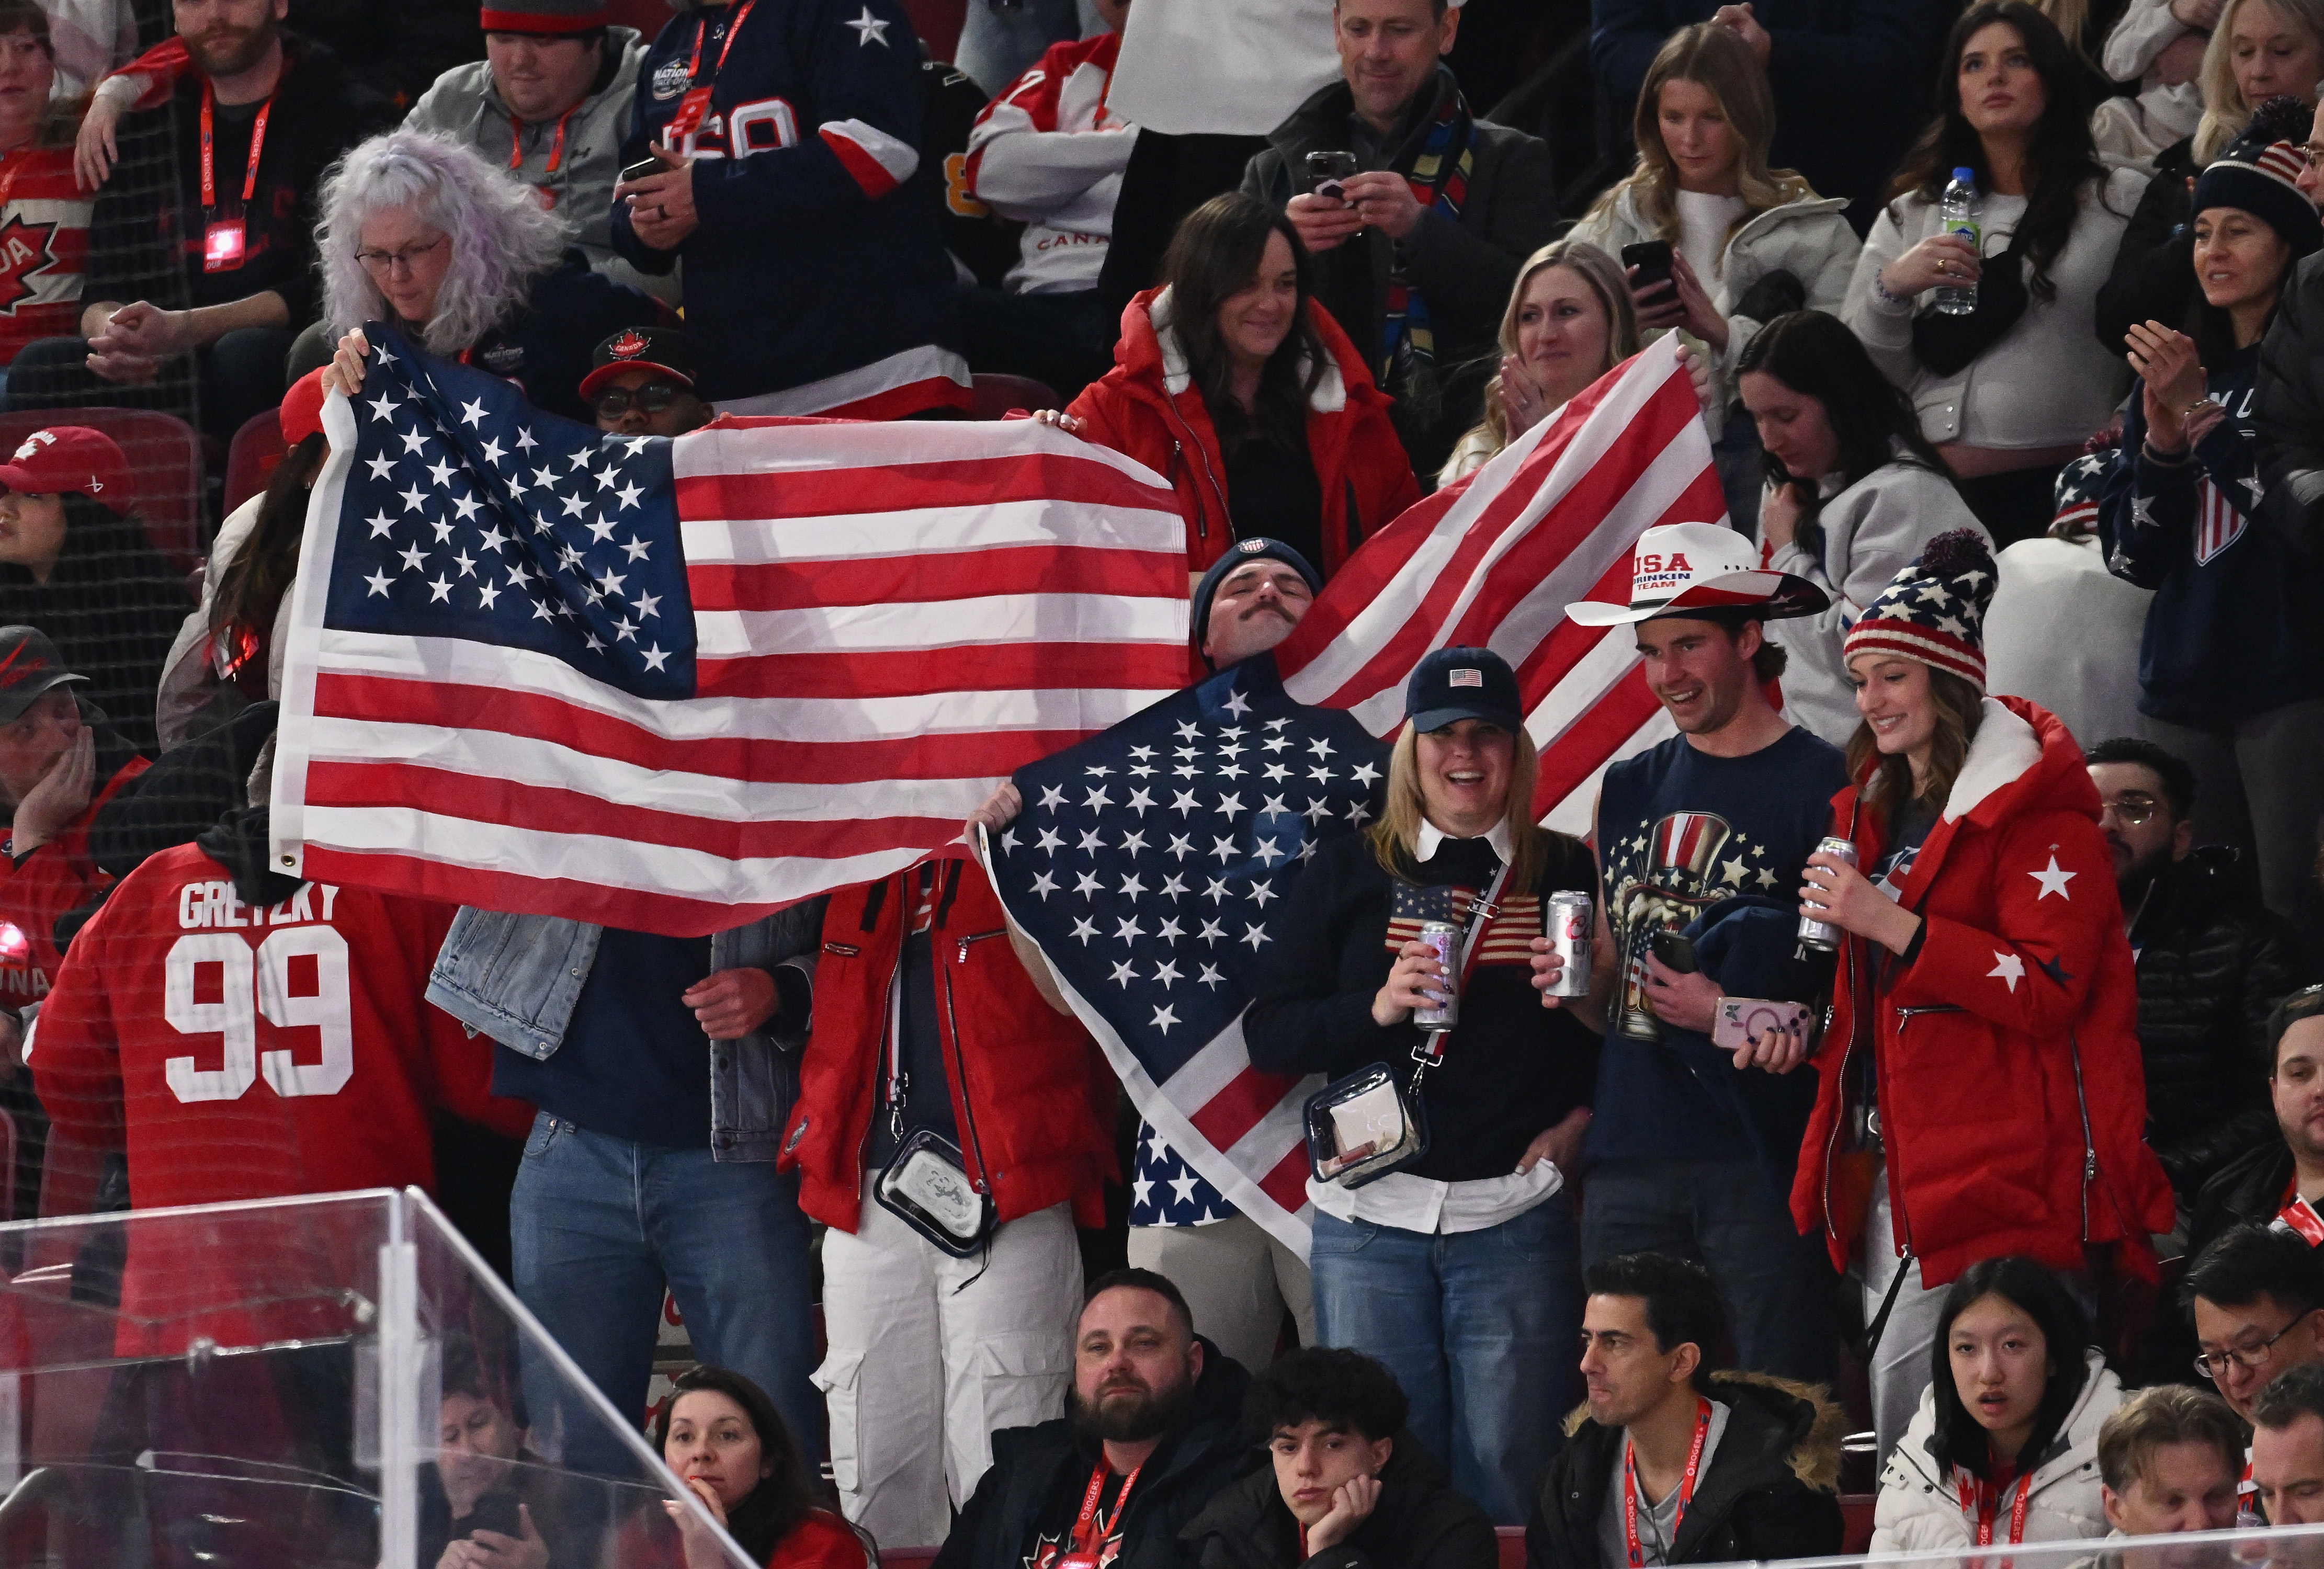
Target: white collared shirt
1432,836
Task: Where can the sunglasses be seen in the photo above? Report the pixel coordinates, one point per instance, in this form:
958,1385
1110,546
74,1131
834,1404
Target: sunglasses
650,397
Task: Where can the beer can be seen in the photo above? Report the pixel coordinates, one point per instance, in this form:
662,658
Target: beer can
1565,922
1443,942
1823,936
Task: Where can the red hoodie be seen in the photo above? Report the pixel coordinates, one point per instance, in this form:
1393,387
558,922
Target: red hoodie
1149,406
2011,1094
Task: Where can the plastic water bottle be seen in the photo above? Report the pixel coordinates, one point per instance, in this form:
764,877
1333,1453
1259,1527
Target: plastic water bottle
1958,214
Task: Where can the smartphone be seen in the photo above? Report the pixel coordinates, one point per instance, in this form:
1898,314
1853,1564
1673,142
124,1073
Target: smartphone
1652,258
1743,1019
1326,169
496,1512
1676,952
645,166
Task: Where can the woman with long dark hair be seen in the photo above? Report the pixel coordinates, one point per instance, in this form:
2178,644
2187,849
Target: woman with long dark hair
1978,1089
1854,494
1234,384
727,1442
2008,393
2004,1448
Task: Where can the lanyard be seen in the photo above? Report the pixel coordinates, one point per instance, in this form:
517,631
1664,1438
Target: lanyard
556,145
1086,1534
694,64
1481,912
257,142
2297,1216
1685,1485
1979,1508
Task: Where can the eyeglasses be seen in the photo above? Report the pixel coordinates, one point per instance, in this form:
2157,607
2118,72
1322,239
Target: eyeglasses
2211,1364
2310,153
380,264
2131,810
650,397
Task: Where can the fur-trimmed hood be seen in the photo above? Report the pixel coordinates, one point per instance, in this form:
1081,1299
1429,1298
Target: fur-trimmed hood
1814,1457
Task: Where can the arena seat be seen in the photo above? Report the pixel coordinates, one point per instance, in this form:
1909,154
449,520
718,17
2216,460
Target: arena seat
165,468
907,1557
1512,1545
998,395
257,451
1855,1522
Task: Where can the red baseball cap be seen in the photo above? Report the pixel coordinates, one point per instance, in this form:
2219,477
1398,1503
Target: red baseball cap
303,409
66,458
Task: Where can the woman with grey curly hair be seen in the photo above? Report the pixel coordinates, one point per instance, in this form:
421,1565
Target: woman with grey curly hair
421,232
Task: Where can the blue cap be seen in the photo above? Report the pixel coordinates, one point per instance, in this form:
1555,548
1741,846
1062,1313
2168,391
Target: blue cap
1257,547
1456,684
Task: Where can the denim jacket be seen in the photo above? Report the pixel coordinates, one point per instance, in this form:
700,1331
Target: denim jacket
517,977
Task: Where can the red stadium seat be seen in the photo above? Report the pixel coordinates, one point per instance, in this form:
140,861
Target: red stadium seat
996,395
907,1557
1855,1522
257,451
165,468
1512,1543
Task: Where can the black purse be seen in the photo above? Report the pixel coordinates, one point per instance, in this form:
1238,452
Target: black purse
1947,344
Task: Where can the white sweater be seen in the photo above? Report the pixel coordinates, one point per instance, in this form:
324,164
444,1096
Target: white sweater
2064,632
2048,381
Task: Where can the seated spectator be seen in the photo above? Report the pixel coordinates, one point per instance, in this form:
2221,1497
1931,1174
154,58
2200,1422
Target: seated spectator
229,650
1747,243
493,1502
1146,1388
2232,661
1675,1460
2159,45
550,103
2256,1295
791,185
2003,1449
253,123
2168,1460
2063,631
2212,966
1854,493
1048,154
2258,1185
421,232
76,561
1569,321
395,51
727,1442
1289,436
2008,393
2287,1450
1444,208
41,274
1349,1486
641,383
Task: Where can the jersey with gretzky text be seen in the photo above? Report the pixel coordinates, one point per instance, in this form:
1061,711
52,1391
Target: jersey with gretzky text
43,247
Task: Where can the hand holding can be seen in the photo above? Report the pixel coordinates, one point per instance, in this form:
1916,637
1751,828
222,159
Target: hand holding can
1565,922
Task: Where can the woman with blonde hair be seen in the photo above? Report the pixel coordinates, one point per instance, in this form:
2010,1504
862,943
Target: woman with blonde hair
1461,1267
1570,320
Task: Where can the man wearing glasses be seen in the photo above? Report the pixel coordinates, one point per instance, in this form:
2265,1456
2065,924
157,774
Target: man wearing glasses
641,383
2258,1298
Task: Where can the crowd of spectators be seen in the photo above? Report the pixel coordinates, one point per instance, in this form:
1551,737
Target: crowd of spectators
2004,666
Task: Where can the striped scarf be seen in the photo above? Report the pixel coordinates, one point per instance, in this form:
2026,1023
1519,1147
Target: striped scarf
1439,180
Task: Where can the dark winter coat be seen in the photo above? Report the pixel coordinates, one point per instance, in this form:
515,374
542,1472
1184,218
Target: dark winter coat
2247,1191
1420,1522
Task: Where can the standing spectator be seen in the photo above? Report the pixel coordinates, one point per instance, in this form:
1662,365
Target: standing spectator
792,189
2008,393
1289,436
1417,254
1983,966
2287,1464
254,123
2261,1183
40,272
1747,243
641,383
1848,80
726,1441
1713,1466
1049,153
76,562
1569,321
550,102
2213,964
2005,1446
1460,1270
2157,45
2232,666
1689,1154
1147,1390
1855,492
2168,1459
932,1049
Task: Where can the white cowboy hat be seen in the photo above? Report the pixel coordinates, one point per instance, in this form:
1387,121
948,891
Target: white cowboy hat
1679,567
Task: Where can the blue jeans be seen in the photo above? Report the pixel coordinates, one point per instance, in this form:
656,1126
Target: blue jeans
1480,1327
1724,1214
598,1225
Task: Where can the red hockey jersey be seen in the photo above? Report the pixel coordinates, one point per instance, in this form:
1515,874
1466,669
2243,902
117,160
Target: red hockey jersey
43,247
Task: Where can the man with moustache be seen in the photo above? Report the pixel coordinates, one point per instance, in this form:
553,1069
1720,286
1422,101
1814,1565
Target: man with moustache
225,274
1151,1432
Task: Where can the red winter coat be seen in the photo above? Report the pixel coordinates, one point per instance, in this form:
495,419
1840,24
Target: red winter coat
1149,406
58,876
1031,1094
2011,1096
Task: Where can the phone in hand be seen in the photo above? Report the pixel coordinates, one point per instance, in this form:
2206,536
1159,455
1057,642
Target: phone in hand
1652,258
496,1512
1740,1020
652,165
1676,952
1326,169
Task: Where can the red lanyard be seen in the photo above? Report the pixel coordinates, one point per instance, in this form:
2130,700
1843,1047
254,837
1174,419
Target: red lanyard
694,64
1086,1537
15,161
1979,1506
1686,1484
257,142
556,147
2297,1216
691,110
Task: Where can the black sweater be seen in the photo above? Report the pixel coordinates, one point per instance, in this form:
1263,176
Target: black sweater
1419,1522
1512,1067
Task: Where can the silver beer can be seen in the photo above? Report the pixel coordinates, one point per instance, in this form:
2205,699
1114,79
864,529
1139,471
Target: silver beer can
1443,939
1565,922
1823,936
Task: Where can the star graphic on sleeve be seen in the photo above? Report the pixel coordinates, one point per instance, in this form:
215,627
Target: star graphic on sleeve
869,30
2142,511
2054,880
2009,968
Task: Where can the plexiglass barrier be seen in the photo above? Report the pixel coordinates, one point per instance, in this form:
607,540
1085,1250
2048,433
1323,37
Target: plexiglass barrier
304,1384
2288,1547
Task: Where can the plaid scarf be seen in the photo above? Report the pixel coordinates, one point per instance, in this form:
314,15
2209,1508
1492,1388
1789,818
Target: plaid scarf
1439,180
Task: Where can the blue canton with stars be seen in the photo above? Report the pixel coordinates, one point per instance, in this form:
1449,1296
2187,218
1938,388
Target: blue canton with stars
1164,1191
1150,859
469,513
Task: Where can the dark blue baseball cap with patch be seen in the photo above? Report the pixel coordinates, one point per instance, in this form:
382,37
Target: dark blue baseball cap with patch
1455,684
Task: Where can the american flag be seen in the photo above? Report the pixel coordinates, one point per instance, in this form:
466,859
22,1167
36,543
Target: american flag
1493,563
672,686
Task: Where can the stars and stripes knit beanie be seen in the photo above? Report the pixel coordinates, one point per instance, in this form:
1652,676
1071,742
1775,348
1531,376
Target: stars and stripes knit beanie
1933,611
2260,173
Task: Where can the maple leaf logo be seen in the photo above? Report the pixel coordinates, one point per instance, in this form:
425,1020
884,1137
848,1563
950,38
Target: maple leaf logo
24,251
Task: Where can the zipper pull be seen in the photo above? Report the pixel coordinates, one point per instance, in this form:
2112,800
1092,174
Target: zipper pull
960,952
896,1090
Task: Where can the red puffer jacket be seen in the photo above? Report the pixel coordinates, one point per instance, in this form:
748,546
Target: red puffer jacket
1149,406
1031,1093
2010,1092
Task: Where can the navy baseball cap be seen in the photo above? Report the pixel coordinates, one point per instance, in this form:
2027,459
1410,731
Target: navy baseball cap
1259,547
1455,684
30,665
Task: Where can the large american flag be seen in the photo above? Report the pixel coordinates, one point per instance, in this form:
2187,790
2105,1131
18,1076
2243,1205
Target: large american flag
672,686
1149,861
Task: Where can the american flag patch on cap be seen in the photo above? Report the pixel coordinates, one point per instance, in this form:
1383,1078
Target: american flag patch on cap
1466,678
